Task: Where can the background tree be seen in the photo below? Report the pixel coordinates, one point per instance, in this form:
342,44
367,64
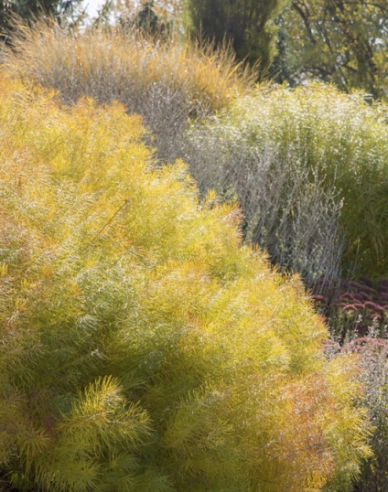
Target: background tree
30,9
339,41
247,24
149,22
159,18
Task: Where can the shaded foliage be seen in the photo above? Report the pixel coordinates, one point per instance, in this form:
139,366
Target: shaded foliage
248,25
12,11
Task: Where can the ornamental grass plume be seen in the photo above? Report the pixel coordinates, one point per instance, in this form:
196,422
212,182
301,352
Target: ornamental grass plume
143,348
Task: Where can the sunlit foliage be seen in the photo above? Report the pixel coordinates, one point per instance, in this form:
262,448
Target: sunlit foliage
143,347
340,140
339,41
166,82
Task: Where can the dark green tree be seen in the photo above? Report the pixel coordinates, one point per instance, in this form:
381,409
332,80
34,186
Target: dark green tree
150,20
147,19
29,10
248,25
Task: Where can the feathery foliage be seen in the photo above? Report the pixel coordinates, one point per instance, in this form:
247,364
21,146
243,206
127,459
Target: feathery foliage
338,140
317,143
143,347
166,82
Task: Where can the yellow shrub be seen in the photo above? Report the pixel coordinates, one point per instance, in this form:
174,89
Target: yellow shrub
166,82
114,64
143,347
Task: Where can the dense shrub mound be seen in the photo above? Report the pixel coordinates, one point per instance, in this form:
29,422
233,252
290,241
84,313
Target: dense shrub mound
299,160
143,348
166,82
308,166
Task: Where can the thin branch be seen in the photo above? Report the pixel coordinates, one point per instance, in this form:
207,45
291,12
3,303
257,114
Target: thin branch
107,224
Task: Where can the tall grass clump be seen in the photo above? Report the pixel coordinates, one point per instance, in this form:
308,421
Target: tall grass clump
311,158
287,210
143,347
165,81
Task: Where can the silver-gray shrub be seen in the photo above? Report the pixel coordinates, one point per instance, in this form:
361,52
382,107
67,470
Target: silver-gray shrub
287,210
341,140
374,476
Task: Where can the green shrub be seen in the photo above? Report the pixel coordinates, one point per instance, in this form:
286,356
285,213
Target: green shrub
143,347
309,142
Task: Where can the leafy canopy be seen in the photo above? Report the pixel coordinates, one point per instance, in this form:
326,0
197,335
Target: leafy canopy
338,41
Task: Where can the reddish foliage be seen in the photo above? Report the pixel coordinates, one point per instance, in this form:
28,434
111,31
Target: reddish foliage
350,307
346,295
348,303
370,305
367,281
